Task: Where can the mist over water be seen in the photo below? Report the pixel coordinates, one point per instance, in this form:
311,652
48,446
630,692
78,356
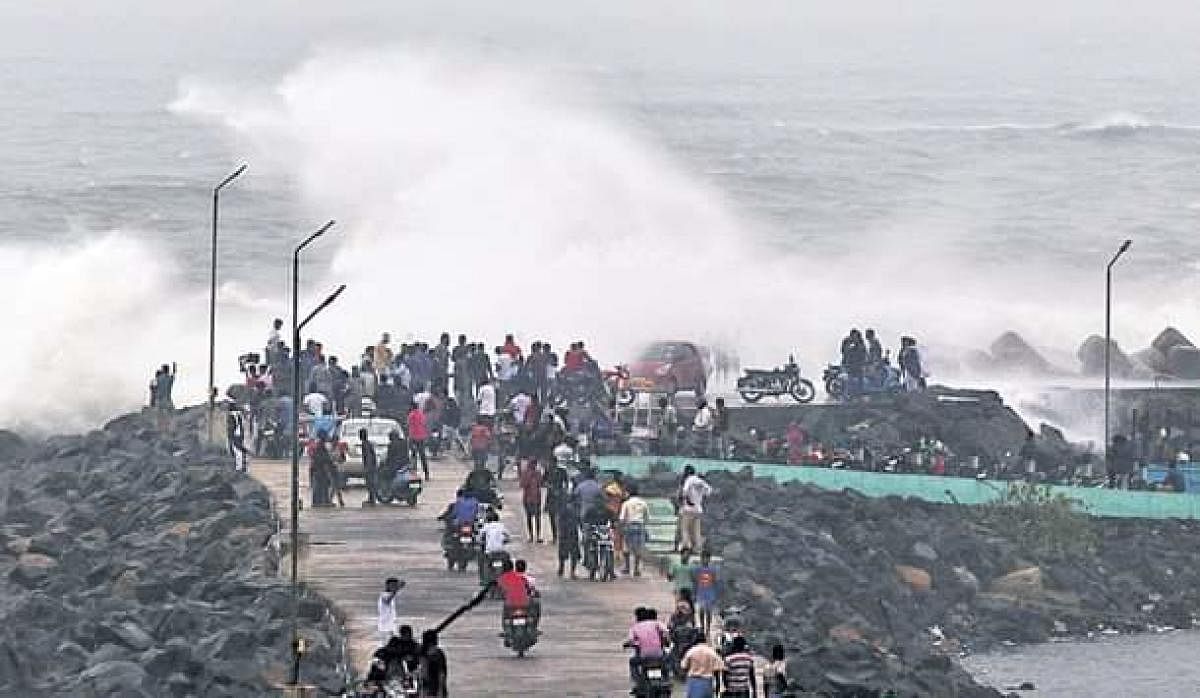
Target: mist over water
768,206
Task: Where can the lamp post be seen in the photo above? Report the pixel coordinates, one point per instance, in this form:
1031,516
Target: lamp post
212,297
1108,338
295,537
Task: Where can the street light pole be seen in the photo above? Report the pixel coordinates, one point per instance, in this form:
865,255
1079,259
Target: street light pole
1108,339
212,298
294,436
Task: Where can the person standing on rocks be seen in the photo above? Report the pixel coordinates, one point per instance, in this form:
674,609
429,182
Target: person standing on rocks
235,434
691,508
706,585
912,375
387,607
160,395
854,359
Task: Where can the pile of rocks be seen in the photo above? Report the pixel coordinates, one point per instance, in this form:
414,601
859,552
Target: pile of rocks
137,563
878,594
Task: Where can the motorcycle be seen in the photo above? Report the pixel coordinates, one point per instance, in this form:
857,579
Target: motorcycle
490,567
651,678
776,382
520,631
598,555
459,547
402,486
877,379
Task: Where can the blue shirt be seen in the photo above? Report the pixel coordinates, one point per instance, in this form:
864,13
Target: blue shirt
324,424
465,510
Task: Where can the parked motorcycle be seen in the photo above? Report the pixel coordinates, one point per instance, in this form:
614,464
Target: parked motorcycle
651,677
520,631
598,556
776,382
878,379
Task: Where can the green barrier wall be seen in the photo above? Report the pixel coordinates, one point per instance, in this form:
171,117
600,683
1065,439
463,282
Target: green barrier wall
930,488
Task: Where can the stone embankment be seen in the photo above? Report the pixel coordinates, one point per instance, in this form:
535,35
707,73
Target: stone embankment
879,594
134,562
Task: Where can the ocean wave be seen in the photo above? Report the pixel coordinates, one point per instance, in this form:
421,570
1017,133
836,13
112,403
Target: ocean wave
1115,124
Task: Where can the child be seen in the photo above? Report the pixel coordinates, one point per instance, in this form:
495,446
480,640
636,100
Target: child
387,609
706,587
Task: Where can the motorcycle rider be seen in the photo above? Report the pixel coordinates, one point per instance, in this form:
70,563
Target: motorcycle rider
515,589
493,537
482,483
401,653
647,637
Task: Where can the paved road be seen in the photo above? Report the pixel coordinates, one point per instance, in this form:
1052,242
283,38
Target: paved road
352,550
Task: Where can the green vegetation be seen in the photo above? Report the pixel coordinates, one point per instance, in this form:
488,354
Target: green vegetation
1042,522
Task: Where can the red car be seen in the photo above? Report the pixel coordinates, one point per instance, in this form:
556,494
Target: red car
669,367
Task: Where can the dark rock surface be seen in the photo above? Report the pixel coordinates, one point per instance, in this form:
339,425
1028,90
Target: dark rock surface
878,594
137,563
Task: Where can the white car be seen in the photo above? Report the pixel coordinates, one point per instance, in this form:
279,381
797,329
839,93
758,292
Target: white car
377,428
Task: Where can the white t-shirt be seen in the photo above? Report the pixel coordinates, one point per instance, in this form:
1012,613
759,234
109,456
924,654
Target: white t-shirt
494,537
506,368
273,339
520,406
703,420
694,492
387,612
315,403
487,400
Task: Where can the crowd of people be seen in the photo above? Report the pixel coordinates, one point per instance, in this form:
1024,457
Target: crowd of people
868,369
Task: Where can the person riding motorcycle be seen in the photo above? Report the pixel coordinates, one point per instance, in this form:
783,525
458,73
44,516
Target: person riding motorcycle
493,539
401,654
648,638
459,513
482,483
514,587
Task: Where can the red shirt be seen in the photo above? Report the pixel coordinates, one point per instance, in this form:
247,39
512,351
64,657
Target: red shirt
531,484
417,429
481,437
512,350
573,360
515,589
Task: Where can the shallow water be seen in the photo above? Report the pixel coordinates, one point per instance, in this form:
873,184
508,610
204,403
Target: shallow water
1163,665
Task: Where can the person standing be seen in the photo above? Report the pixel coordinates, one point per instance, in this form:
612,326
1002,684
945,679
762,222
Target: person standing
568,537
418,434
775,673
382,354
721,428
370,460
529,475
235,433
854,359
481,442
691,508
487,402
434,671
160,395
635,521
706,587
702,428
441,363
388,609
912,374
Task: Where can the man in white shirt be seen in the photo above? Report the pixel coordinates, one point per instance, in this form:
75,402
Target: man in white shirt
691,507
388,613
635,518
486,402
273,339
519,405
315,403
702,427
495,536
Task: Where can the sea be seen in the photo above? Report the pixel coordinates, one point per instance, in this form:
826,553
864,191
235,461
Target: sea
758,175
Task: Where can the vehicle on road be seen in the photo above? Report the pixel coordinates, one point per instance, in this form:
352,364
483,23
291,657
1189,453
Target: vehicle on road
403,486
776,382
598,556
669,367
651,678
458,546
520,631
377,428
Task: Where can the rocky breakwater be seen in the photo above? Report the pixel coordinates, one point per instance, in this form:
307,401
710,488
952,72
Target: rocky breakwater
136,563
882,594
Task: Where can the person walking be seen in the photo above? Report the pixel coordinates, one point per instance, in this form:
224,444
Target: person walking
691,508
701,664
721,428
529,475
418,434
387,607
370,460
635,521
